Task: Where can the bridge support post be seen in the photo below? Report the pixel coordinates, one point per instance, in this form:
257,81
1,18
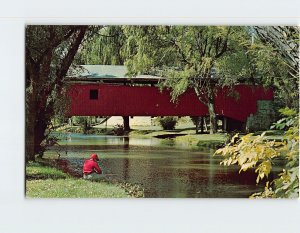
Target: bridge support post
197,125
126,123
202,124
224,124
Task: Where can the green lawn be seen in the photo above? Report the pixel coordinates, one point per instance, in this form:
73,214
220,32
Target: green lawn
72,188
47,182
192,139
38,171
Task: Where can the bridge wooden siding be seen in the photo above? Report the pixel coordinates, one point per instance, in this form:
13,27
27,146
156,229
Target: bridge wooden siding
120,100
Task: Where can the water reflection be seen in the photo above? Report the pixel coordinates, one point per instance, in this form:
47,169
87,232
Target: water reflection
126,143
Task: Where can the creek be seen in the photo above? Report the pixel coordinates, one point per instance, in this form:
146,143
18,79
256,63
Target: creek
162,167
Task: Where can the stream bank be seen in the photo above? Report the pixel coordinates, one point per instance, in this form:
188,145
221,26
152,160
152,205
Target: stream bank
54,178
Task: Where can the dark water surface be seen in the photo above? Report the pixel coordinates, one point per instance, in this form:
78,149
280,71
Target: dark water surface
162,167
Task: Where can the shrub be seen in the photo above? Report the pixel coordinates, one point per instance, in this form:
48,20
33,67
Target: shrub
78,120
118,130
168,123
259,152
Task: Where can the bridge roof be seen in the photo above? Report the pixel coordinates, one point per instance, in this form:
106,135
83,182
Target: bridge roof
101,71
108,74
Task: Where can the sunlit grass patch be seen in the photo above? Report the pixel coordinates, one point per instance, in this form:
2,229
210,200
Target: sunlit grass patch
38,171
202,140
72,188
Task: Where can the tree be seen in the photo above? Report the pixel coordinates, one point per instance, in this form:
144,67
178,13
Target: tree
282,45
285,41
50,51
254,61
105,48
186,55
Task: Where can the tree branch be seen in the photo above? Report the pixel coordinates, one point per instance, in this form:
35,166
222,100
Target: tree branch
68,59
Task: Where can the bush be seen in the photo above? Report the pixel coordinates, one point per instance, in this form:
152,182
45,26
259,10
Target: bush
118,130
168,123
78,120
259,152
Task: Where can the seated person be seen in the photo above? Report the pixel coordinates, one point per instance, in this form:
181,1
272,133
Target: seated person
91,169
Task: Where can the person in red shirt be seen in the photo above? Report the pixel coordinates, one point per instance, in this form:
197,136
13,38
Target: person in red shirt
91,169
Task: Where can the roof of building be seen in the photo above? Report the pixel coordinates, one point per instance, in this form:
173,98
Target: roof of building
101,71
108,74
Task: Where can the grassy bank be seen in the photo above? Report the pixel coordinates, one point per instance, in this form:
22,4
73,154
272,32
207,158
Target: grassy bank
79,129
187,137
47,182
184,135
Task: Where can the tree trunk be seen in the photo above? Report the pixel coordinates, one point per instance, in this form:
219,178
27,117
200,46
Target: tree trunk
205,125
201,124
197,125
210,103
39,107
30,139
212,117
224,125
30,106
126,123
35,130
70,121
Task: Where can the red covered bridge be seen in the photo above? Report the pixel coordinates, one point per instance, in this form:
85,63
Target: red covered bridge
112,100
117,98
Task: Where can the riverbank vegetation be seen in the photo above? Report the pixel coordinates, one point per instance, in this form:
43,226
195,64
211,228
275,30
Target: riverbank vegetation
183,135
49,182
261,153
168,123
